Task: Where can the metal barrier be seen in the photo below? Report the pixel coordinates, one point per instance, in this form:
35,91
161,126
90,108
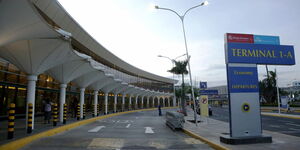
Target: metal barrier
11,121
174,120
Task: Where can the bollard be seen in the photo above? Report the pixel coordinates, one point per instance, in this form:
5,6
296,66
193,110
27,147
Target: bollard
29,122
93,106
78,112
65,114
11,121
55,114
98,109
83,111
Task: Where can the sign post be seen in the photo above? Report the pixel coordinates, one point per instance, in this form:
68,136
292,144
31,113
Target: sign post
243,52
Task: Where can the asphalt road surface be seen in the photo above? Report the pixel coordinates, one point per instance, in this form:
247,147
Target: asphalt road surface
275,124
135,131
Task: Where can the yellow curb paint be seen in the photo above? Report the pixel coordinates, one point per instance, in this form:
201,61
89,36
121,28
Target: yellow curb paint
277,115
17,144
210,143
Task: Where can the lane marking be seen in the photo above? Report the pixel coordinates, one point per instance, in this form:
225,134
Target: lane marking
128,126
293,124
96,129
149,130
275,126
294,129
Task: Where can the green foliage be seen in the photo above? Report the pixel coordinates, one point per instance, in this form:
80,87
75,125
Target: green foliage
267,88
180,67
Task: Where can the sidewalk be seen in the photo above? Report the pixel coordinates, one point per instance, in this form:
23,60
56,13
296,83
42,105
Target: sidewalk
211,130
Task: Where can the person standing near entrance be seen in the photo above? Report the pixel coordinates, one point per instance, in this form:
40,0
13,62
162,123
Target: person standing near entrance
47,110
159,110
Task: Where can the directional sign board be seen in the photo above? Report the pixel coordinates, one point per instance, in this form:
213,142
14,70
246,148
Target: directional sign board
243,52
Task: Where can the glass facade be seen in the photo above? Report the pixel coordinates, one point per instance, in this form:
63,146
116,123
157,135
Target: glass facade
13,85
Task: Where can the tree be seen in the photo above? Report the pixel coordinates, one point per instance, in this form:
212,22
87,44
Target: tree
267,88
180,69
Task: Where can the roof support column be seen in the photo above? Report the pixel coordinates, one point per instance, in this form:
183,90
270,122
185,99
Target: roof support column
81,102
136,102
115,102
153,105
95,103
148,97
105,102
142,102
174,101
62,101
123,102
129,105
31,96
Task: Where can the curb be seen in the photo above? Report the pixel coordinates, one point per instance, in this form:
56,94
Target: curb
210,143
283,116
17,144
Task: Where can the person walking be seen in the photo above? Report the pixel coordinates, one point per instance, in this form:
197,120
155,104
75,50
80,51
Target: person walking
159,110
47,110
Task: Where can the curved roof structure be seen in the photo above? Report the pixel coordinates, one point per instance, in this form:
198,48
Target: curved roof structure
57,16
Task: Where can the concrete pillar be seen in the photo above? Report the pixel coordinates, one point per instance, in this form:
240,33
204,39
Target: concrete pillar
31,96
148,97
81,101
153,98
62,101
169,103
123,102
142,102
164,101
115,102
95,102
174,101
129,105
136,102
105,102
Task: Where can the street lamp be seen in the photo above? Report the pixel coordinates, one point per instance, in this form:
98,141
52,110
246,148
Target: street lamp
186,49
173,61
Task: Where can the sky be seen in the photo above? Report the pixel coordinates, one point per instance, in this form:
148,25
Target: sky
137,33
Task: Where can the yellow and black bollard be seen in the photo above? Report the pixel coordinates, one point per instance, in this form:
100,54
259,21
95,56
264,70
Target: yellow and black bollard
98,110
55,114
78,112
65,114
11,121
29,122
93,106
83,111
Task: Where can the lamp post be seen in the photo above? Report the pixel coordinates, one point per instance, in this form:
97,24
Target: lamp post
173,61
186,48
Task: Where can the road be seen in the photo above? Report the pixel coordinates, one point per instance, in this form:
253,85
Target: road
141,130
276,124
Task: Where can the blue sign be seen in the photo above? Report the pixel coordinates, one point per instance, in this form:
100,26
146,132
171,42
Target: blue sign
262,39
208,92
242,79
203,85
260,54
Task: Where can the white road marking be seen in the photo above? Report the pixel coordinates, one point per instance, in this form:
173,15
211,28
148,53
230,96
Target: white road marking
275,126
294,129
136,117
128,126
149,130
96,129
297,125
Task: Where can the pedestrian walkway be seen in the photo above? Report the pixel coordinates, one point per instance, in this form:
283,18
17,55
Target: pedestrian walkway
211,130
40,126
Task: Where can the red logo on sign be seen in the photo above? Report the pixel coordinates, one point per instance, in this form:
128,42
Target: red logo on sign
239,38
